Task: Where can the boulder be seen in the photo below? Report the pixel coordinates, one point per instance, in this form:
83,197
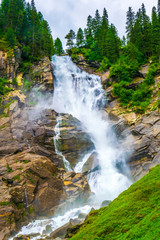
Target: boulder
73,141
30,186
91,163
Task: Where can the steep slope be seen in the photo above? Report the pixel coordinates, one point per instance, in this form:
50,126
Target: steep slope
135,214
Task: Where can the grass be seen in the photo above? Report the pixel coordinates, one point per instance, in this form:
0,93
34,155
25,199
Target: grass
135,214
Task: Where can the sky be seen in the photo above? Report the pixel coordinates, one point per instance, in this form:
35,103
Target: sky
63,15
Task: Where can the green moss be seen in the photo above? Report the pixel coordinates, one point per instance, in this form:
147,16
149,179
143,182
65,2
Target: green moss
135,214
31,210
20,205
9,169
4,203
24,161
29,177
17,177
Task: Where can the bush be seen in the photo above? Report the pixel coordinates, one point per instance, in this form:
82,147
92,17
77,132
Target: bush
124,72
105,64
4,89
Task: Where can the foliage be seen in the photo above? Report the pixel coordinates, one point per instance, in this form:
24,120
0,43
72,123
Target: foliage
58,47
100,39
4,89
9,169
133,215
105,64
138,98
70,38
22,25
123,71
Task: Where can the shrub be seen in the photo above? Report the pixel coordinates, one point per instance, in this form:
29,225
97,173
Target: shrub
105,64
124,72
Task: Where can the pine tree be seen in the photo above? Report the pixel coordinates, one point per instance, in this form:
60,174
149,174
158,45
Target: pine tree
112,44
70,39
103,33
58,47
146,31
88,32
10,37
155,33
158,9
137,35
130,23
80,38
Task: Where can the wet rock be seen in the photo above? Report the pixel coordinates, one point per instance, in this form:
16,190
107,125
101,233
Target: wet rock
91,163
47,230
76,187
105,203
74,142
60,232
120,126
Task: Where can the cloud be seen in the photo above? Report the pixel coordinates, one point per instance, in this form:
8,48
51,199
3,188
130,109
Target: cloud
63,15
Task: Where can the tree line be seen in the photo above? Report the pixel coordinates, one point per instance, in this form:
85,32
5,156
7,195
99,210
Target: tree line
23,26
99,41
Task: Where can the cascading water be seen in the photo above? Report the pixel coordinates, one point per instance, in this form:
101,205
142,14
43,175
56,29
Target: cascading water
81,95
56,138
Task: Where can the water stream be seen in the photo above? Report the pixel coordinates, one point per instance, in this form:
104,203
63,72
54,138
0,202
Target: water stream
81,95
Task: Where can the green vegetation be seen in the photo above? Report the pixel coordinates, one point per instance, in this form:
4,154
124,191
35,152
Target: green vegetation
21,25
58,47
4,203
136,96
9,169
135,214
17,177
4,88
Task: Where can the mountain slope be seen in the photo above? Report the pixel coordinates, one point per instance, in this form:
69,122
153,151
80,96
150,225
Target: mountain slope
135,214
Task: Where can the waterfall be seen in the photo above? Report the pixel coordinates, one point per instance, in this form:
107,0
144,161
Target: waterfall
81,95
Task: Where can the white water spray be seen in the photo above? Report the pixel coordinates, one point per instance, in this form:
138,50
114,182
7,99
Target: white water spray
81,95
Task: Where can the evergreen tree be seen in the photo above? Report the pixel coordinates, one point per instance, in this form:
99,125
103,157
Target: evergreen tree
80,38
155,33
158,9
130,23
58,47
103,33
146,32
70,38
10,37
112,44
21,24
88,32
137,36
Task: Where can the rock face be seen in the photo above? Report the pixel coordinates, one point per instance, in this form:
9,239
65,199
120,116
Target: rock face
9,63
141,137
33,180
87,66
41,73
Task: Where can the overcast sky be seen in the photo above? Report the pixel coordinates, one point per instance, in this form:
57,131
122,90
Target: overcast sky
63,15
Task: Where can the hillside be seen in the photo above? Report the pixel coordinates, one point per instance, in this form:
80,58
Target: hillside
135,214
